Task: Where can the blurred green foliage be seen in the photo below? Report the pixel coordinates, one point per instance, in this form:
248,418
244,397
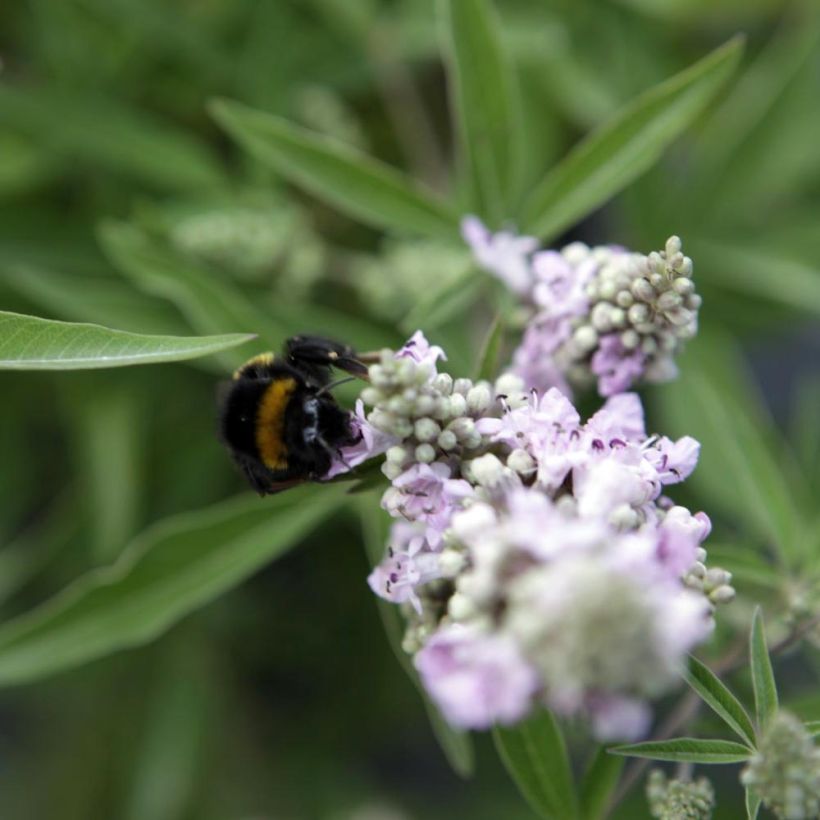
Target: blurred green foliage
123,203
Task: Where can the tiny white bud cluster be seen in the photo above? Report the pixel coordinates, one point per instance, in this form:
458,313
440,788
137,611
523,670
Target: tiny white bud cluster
785,771
648,303
679,799
714,582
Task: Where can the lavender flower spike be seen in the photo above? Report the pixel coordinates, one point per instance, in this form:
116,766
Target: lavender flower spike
602,316
535,555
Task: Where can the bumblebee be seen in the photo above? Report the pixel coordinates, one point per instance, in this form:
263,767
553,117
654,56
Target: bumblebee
278,418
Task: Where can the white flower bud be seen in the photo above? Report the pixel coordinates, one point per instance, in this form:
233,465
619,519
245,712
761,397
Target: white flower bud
683,286
624,299
460,607
462,427
521,462
624,517
399,406
508,383
669,300
600,317
425,454
585,338
447,440
617,316
722,595
461,386
575,253
443,383
479,398
425,405
643,290
391,470
673,246
452,562
630,339
487,470
457,405
396,454
371,395
426,430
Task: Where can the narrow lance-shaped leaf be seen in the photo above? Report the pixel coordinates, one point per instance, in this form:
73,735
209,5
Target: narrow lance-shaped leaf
483,95
752,805
171,569
599,782
763,683
623,149
32,343
535,755
491,350
687,750
741,466
456,745
718,697
356,184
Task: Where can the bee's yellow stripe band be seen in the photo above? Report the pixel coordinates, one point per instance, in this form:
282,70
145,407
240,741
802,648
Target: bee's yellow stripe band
270,424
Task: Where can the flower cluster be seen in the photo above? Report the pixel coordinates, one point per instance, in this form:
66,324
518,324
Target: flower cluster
598,316
535,555
679,799
785,771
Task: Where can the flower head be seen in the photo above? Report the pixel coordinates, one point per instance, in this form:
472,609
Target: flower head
599,316
534,553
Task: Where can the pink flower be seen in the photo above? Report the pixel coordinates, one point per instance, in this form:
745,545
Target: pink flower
503,254
409,564
372,442
425,493
476,679
421,351
616,367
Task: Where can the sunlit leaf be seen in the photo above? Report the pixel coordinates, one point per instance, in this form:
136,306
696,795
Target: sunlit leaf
356,184
486,104
599,781
627,146
687,750
718,697
31,343
535,755
763,682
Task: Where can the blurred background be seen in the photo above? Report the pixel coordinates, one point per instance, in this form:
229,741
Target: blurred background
122,203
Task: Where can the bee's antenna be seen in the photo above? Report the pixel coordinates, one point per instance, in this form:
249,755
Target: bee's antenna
329,387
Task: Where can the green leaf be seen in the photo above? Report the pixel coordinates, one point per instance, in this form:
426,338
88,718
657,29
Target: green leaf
441,304
763,682
813,727
484,97
687,750
212,303
600,780
718,697
535,755
356,184
31,343
613,156
752,805
106,133
87,298
456,745
741,467
173,568
491,351
754,269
